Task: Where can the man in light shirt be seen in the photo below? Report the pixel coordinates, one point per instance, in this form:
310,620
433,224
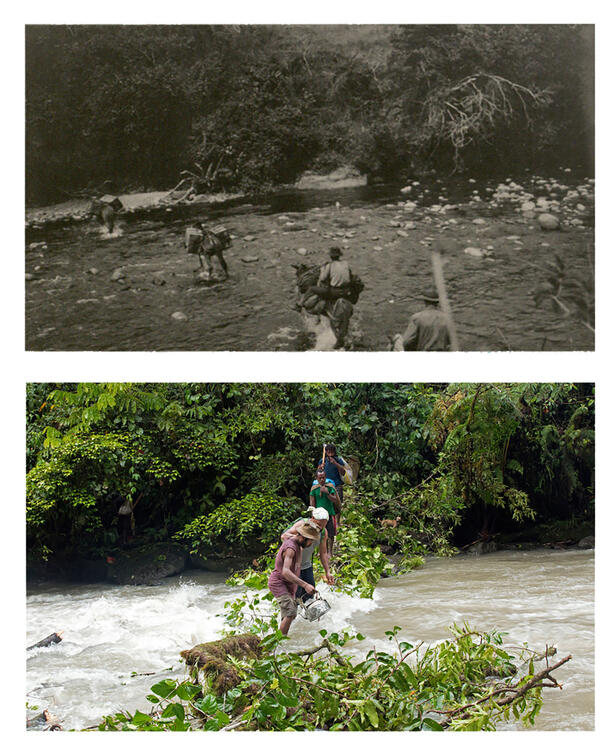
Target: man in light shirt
428,330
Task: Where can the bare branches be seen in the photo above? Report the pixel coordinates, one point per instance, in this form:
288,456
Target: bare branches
468,110
509,693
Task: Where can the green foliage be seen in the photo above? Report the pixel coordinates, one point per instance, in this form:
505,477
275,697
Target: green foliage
256,515
456,685
254,106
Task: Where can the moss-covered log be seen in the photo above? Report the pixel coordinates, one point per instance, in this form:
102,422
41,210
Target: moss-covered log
211,659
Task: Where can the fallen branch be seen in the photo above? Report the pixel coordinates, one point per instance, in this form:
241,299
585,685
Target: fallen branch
463,712
48,641
46,721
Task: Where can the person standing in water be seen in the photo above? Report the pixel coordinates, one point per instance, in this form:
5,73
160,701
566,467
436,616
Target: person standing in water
284,578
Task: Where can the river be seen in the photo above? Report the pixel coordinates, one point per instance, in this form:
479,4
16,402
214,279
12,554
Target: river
536,597
138,290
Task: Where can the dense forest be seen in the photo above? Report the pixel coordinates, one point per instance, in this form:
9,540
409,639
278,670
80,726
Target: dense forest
221,468
251,107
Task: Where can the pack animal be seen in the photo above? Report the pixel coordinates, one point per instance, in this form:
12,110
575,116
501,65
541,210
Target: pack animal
104,213
390,523
338,311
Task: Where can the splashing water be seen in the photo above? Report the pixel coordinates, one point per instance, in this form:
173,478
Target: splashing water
110,632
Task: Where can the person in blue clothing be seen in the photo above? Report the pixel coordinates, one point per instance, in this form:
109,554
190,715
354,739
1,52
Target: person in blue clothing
334,467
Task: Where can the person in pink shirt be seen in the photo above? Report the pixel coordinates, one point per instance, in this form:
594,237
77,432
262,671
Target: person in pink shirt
284,578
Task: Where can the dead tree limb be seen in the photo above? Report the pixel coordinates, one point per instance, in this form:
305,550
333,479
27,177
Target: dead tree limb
49,640
511,693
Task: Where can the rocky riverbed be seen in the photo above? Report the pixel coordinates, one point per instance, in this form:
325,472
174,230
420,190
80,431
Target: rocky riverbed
518,259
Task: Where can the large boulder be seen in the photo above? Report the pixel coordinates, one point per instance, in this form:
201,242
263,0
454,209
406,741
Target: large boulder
148,564
587,542
548,222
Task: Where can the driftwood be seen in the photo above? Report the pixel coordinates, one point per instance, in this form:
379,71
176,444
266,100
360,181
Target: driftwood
44,721
211,659
48,641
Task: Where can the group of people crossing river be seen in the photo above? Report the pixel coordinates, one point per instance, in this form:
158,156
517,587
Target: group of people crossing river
331,289
292,579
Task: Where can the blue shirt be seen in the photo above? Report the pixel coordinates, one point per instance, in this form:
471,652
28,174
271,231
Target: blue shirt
331,470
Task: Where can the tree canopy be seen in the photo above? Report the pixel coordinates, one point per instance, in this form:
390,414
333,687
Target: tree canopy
229,464
249,107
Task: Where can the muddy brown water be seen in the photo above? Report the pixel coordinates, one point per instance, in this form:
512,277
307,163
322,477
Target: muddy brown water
73,303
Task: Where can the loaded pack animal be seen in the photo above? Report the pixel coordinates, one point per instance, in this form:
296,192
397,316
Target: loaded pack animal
105,211
318,300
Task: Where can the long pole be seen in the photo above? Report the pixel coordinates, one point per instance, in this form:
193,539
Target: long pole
439,280
323,455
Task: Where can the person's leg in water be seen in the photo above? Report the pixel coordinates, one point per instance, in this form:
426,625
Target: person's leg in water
330,530
288,611
223,263
306,575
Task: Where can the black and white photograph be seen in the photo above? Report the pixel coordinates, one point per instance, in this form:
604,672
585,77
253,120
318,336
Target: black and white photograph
270,187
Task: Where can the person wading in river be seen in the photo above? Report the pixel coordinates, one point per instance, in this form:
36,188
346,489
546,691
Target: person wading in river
334,284
428,330
325,495
284,578
201,240
320,517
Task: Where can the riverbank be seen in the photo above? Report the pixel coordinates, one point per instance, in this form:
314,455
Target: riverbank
77,209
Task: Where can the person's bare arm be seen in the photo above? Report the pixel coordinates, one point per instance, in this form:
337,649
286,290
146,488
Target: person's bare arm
289,533
288,575
340,467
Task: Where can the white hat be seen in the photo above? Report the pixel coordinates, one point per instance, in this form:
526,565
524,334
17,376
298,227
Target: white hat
320,514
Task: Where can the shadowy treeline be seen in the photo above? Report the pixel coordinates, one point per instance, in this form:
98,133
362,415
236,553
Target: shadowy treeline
250,107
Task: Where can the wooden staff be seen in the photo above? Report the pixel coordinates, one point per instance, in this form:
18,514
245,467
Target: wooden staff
323,455
439,280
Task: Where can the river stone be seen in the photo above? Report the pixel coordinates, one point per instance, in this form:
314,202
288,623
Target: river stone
402,233
249,238
250,259
587,542
479,221
528,206
29,276
302,251
93,271
474,251
179,316
117,274
548,222
148,565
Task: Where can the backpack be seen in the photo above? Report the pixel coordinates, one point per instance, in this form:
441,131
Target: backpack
222,233
356,287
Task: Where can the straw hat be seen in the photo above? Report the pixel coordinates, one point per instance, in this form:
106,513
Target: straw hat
308,529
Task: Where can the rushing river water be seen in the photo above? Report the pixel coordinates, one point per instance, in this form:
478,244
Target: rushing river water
539,597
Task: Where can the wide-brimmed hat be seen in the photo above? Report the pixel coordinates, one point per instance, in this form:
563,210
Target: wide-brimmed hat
430,295
335,252
308,529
